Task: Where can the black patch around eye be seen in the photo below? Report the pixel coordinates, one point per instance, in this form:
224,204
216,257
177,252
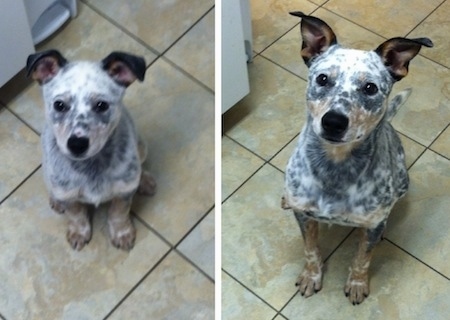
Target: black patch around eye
60,106
322,80
370,88
101,106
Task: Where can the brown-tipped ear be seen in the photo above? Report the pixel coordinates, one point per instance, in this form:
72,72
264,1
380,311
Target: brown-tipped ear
43,66
397,52
316,34
124,68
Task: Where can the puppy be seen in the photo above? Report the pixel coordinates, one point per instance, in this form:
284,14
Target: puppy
349,165
91,151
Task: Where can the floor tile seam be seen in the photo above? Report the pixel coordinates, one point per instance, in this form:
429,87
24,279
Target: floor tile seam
189,29
185,73
151,229
121,28
130,292
29,126
20,184
295,137
248,289
248,178
290,29
284,68
194,226
436,139
417,258
418,24
194,265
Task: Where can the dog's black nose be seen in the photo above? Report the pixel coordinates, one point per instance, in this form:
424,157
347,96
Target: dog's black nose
334,124
78,146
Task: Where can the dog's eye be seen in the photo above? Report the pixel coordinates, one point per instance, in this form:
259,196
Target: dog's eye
370,88
101,106
60,106
322,80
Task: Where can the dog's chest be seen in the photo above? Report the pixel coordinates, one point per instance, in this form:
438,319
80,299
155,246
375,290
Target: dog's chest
93,183
356,193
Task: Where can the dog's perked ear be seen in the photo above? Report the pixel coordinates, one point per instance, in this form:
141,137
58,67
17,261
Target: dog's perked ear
43,66
316,34
124,68
397,52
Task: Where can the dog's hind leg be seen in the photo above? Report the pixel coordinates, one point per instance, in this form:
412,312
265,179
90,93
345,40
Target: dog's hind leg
310,280
147,184
357,286
79,232
120,226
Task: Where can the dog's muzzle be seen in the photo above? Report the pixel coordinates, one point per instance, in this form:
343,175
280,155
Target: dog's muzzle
334,126
77,145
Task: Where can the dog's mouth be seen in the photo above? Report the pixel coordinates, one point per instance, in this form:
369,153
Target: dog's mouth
332,140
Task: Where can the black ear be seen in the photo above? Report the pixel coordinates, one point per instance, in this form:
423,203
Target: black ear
316,34
396,54
124,68
43,66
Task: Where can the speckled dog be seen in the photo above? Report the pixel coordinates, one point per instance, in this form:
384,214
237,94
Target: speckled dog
349,165
91,153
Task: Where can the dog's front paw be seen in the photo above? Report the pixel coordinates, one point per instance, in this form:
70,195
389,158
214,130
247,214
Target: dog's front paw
123,236
79,235
357,289
57,206
147,185
309,281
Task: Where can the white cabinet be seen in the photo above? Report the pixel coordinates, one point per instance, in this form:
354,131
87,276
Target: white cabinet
15,39
236,51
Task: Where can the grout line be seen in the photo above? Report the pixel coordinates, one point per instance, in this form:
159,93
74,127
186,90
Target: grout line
194,226
416,258
29,126
248,289
137,284
20,184
426,17
151,49
194,265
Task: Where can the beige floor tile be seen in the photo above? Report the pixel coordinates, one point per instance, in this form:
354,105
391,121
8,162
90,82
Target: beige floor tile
271,19
280,317
239,303
286,51
442,144
261,243
419,222
386,18
238,164
281,159
436,27
273,113
88,36
426,113
400,288
143,18
175,116
412,150
195,51
52,281
20,152
174,290
199,245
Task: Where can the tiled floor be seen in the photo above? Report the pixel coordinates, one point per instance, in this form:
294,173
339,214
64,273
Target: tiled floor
170,272
262,249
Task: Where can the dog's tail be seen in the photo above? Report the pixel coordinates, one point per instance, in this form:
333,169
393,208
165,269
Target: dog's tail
396,103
